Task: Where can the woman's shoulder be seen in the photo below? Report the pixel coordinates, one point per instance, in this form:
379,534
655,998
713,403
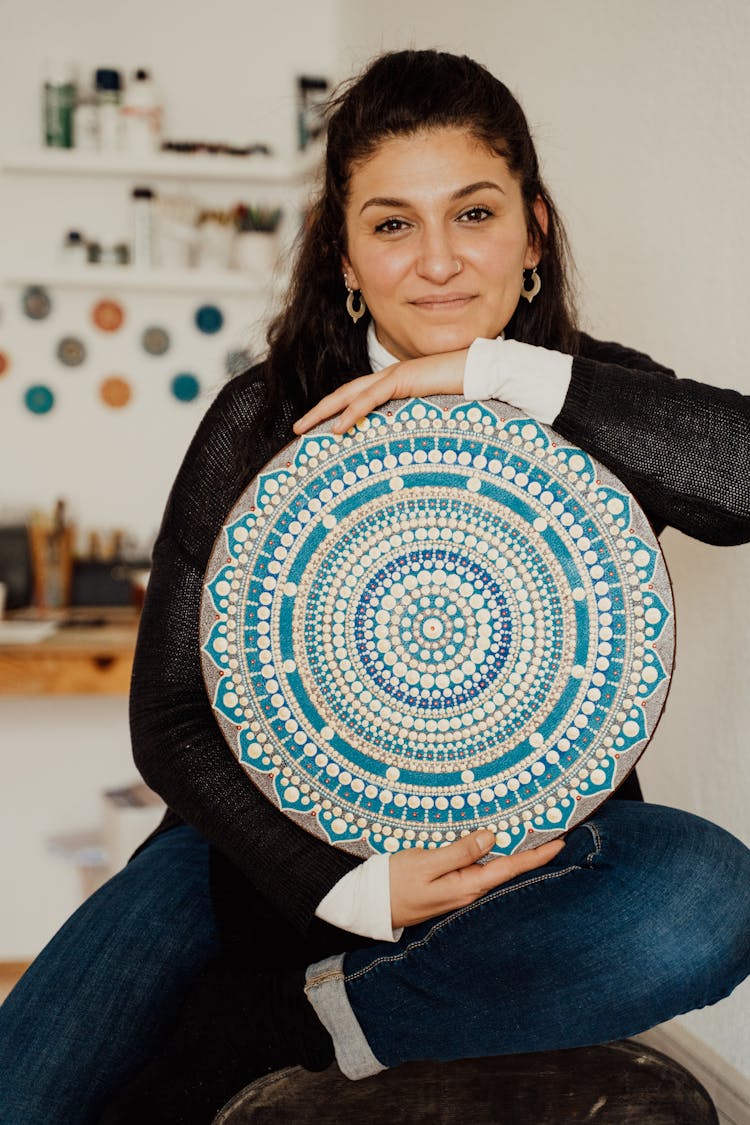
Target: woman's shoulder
248,385
248,401
620,355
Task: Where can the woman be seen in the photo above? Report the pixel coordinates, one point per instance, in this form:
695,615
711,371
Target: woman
235,942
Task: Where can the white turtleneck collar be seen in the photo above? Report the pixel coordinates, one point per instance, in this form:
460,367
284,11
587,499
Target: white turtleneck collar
379,356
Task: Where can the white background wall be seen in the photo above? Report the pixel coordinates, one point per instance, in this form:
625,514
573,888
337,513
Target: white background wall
641,113
227,72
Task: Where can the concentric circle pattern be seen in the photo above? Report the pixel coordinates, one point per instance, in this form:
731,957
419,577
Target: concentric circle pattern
445,619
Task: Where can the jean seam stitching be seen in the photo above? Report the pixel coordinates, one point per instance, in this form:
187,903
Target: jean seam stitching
499,893
597,842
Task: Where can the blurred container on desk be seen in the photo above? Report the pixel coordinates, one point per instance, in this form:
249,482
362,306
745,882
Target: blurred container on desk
51,543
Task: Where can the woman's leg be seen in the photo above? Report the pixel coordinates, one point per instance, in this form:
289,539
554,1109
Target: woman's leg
644,914
96,1000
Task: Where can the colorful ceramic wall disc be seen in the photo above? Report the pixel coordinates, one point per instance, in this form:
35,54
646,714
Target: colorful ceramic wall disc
71,351
108,315
209,319
36,302
155,340
446,619
39,399
115,391
185,387
4,363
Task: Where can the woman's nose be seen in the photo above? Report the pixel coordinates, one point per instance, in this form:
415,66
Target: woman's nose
437,260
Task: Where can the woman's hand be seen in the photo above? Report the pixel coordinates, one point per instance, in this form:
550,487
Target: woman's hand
441,374
426,883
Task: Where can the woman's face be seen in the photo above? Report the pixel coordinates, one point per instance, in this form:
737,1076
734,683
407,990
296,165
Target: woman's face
437,241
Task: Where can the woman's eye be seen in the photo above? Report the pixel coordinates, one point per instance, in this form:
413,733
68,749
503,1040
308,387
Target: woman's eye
475,215
390,226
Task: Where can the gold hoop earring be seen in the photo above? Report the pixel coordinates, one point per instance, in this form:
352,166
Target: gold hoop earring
358,313
531,284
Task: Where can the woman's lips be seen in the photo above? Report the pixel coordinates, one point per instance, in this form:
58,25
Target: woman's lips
444,301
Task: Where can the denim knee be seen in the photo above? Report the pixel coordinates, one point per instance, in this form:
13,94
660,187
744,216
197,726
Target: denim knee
694,925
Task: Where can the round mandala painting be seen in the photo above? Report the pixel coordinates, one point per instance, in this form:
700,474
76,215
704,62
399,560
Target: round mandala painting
445,619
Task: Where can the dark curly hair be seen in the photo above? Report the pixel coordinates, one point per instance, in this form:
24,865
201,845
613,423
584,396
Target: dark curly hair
313,344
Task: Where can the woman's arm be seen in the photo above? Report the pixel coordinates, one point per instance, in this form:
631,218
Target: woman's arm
177,744
680,446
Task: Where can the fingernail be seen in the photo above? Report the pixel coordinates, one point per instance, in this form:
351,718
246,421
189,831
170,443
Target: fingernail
486,838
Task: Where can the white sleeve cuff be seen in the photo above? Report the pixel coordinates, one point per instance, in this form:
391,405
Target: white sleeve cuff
361,901
531,378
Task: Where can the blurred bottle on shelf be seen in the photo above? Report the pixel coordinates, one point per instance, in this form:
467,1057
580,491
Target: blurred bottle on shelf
86,120
74,249
109,101
312,94
141,115
144,233
58,103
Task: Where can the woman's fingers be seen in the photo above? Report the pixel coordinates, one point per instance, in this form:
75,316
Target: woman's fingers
428,375
367,400
479,879
334,402
425,884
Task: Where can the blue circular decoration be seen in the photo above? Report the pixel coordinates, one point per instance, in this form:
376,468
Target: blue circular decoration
209,319
445,619
185,387
39,399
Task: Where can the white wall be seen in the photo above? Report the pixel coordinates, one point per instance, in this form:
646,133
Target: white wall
641,113
226,72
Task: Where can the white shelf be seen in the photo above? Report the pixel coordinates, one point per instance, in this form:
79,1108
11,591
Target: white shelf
131,278
164,166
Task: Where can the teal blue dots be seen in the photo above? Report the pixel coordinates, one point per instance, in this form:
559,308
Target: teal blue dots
185,387
39,399
209,319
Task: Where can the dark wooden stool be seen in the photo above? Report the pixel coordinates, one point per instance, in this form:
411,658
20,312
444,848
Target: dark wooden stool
621,1083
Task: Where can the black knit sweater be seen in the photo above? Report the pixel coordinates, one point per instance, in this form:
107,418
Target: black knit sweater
681,447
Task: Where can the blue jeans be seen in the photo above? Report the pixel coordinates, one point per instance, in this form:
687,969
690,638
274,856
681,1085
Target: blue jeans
90,1009
644,914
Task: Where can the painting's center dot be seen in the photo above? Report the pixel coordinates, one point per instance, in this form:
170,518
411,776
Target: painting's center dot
432,628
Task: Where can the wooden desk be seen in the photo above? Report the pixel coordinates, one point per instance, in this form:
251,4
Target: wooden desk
77,660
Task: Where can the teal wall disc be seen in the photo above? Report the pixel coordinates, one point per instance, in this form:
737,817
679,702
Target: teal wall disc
185,387
209,319
39,399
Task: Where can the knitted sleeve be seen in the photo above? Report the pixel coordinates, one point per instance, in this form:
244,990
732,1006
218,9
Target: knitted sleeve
177,744
681,447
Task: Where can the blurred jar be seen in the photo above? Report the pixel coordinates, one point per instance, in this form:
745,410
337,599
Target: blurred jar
141,115
59,96
86,121
109,100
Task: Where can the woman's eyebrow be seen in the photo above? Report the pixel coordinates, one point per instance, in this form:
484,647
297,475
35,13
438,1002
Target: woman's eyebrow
460,193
